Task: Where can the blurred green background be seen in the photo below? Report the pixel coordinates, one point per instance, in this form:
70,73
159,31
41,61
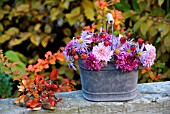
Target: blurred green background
30,28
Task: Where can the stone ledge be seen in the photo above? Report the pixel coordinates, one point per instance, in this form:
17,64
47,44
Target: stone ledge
154,98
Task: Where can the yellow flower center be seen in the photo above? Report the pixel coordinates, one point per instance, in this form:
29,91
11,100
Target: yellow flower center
117,51
80,40
140,53
128,50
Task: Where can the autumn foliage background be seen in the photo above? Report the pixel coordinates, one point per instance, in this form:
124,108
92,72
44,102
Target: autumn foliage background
30,28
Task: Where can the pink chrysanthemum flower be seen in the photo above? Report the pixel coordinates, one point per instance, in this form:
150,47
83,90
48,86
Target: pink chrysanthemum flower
92,63
148,55
102,52
126,62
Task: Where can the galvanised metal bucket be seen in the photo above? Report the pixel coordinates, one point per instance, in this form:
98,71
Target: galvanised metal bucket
108,84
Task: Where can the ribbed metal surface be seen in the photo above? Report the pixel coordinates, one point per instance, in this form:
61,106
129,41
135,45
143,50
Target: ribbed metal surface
109,84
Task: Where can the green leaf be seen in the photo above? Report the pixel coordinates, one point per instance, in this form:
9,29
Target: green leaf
2,13
12,31
22,37
89,11
22,57
158,40
150,23
15,58
122,5
1,27
144,28
54,13
160,2
66,40
167,41
44,41
138,24
73,17
67,32
152,31
69,73
4,38
167,17
37,27
23,8
165,31
62,70
157,12
135,5
128,14
35,39
74,12
47,28
67,3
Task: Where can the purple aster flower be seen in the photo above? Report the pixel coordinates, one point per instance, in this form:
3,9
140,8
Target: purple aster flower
72,44
92,63
116,43
87,37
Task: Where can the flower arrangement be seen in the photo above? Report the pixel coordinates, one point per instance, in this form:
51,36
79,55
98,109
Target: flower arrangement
97,48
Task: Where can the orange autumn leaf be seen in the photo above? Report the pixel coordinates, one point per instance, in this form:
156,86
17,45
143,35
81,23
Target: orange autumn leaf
101,4
143,71
91,29
60,56
148,68
62,48
117,15
152,76
33,103
54,74
48,54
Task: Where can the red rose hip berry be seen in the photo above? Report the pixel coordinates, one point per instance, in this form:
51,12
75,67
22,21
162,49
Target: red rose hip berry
129,34
78,37
122,40
73,51
133,48
140,41
76,57
103,35
106,43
